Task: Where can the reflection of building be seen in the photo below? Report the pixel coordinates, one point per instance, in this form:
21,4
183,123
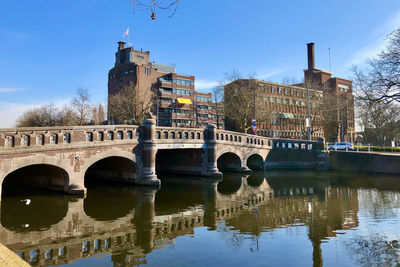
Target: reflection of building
281,110
173,94
133,226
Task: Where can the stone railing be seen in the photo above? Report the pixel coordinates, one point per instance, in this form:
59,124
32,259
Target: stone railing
229,137
65,137
176,134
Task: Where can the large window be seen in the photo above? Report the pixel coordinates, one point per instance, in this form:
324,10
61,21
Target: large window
203,98
280,90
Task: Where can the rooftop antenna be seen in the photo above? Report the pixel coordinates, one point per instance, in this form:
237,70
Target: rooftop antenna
329,50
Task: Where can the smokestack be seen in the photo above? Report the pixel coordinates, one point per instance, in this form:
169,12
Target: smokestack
310,54
121,45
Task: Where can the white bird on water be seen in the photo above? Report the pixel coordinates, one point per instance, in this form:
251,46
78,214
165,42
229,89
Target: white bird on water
27,201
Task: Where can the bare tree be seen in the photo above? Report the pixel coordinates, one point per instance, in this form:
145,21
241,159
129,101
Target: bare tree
218,99
81,105
156,6
47,116
380,79
128,106
379,120
239,101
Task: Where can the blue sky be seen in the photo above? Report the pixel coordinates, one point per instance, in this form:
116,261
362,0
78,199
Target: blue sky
50,48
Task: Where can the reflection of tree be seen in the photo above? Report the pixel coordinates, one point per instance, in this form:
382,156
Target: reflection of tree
376,250
232,236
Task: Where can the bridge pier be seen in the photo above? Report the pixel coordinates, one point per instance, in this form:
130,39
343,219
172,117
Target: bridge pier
212,169
148,175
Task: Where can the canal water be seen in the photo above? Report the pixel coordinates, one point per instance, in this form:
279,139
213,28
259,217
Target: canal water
280,218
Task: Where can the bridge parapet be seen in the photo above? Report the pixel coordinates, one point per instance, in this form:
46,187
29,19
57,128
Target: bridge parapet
177,134
229,137
47,138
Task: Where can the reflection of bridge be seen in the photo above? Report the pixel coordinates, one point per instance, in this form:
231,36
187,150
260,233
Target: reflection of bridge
62,158
135,227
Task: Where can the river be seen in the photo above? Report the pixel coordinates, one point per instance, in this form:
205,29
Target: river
271,218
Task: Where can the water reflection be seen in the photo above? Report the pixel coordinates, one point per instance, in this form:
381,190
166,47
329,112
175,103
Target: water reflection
130,223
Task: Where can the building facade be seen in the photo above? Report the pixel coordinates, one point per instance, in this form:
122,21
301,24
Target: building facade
281,110
173,98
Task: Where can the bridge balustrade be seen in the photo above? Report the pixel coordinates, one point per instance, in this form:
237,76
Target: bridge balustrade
224,136
33,138
165,133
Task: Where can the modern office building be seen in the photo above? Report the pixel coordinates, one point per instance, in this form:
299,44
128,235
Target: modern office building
173,97
281,110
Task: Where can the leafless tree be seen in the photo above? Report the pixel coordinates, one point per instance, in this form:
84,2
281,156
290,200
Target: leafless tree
238,101
380,79
129,106
155,6
218,101
379,120
81,105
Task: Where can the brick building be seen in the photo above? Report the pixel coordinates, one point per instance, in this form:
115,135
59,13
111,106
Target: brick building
174,100
281,110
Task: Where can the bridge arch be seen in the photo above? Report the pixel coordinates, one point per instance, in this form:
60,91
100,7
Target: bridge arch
229,161
255,162
38,171
112,168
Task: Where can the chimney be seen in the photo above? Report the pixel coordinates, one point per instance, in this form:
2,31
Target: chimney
310,54
121,45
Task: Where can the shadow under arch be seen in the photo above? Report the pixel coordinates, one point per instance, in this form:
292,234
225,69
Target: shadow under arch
107,203
230,184
229,162
255,179
114,168
255,162
33,210
37,175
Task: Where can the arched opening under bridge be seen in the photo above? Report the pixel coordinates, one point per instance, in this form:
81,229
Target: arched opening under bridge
255,162
117,169
229,162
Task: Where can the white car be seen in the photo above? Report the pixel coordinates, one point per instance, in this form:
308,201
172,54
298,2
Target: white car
341,146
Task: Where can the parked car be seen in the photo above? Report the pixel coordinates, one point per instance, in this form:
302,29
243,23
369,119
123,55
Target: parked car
341,146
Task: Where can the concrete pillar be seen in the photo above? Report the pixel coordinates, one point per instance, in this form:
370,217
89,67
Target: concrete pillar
149,151
212,169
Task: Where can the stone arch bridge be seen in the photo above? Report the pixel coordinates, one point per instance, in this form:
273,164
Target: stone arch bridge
64,158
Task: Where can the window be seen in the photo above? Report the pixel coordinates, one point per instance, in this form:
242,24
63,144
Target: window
179,135
120,135
158,135
198,135
266,88
273,90
286,91
165,135
173,135
67,138
10,141
40,140
54,139
280,90
26,140
110,135
129,134
101,136
185,135
89,137
304,94
291,92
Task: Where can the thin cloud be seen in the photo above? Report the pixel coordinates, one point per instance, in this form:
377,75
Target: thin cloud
10,90
11,111
202,84
379,42
269,74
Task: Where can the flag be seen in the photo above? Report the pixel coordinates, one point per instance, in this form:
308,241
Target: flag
126,32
